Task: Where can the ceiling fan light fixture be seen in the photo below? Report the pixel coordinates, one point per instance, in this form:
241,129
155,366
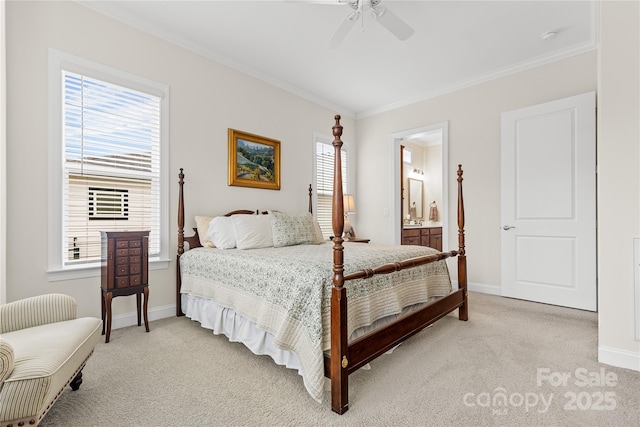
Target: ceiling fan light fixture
377,11
389,20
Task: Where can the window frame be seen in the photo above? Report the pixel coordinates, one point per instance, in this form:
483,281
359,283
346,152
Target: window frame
321,138
59,61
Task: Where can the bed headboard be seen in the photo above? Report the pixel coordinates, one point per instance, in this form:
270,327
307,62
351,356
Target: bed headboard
193,241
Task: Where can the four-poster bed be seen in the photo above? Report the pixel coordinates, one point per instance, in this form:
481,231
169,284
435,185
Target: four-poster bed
344,296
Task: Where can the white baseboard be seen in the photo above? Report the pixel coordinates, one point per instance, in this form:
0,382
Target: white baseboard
619,358
483,288
131,319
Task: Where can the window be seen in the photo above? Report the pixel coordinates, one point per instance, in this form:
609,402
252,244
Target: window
324,159
108,159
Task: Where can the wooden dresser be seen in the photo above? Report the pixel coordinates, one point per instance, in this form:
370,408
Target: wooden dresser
426,236
125,271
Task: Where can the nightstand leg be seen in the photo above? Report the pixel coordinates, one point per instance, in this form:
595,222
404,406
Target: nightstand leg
107,301
138,305
146,306
103,309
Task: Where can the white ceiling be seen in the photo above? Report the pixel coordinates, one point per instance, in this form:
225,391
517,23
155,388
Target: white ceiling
456,43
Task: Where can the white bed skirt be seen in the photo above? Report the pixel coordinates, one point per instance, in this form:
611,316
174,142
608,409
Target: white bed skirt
226,321
237,328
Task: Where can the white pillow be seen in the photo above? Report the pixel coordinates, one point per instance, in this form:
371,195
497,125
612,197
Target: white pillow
221,232
291,230
202,224
252,231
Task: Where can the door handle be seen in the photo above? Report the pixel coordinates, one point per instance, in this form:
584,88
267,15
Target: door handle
508,227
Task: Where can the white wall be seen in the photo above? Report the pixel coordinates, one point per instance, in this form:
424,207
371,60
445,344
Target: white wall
3,159
474,141
207,98
618,180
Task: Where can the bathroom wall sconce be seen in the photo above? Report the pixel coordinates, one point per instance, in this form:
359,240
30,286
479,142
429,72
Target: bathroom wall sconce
418,171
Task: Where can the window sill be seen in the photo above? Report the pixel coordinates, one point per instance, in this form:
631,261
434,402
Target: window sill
94,271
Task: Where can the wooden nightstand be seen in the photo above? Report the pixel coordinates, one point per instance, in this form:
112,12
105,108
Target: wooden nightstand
125,271
358,240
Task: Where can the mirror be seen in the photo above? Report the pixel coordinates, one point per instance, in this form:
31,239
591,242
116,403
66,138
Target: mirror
415,199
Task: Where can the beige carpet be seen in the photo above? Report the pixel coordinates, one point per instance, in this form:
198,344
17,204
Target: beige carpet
476,373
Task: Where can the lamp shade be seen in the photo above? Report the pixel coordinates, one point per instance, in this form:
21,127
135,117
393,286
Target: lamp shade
349,203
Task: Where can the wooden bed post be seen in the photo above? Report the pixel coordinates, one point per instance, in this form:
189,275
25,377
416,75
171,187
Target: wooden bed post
339,340
310,199
463,312
180,241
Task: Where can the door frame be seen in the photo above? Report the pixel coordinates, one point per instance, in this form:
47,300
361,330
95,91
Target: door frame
397,139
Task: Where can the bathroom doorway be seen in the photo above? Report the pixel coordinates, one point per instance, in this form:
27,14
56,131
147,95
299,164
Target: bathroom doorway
420,156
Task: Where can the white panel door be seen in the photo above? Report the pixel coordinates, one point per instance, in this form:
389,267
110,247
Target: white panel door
549,203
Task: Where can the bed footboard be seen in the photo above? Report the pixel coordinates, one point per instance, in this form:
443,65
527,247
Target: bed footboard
344,357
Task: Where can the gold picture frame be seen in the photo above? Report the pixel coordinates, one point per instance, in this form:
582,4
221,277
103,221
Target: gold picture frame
254,161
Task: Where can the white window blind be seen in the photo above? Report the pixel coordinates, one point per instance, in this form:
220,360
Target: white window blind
111,165
324,184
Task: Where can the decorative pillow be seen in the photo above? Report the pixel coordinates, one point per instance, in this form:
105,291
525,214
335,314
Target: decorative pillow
6,360
291,230
252,231
221,232
202,224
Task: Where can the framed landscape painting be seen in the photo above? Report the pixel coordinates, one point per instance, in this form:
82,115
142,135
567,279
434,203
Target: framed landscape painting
254,161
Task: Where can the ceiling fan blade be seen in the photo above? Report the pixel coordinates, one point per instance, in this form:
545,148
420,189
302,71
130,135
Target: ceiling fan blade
329,2
344,29
392,22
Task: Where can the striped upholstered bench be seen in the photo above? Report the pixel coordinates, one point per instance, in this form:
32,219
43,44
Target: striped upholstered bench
43,348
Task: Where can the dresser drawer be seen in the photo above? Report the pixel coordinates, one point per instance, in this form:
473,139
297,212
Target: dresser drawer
411,240
411,233
122,282
122,244
122,252
122,260
122,270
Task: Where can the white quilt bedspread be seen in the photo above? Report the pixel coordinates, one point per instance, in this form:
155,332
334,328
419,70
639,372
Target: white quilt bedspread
287,291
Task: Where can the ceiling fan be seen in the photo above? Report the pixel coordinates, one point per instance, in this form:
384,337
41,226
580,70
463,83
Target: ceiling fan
379,13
